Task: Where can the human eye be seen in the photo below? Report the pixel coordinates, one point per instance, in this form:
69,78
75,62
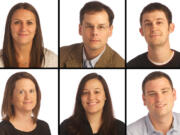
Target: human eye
148,24
31,91
89,26
17,22
21,91
29,22
151,94
159,22
84,92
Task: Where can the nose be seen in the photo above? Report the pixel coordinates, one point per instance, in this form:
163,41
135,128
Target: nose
159,97
154,26
91,96
26,95
94,31
23,26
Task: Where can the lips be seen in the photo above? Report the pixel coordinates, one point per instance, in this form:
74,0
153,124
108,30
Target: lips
92,103
27,102
22,35
159,106
94,40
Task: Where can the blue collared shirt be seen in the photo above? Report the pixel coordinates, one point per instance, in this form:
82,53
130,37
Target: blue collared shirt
144,126
91,63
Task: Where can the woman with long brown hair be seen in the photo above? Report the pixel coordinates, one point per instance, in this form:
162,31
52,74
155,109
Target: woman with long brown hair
23,42
93,113
20,108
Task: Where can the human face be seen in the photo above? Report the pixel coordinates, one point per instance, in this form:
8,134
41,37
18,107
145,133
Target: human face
95,30
23,27
159,97
24,95
93,97
155,28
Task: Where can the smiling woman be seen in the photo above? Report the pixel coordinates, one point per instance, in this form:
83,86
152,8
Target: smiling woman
93,112
23,42
21,105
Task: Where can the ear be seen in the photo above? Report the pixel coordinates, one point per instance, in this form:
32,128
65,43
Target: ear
141,31
171,27
80,29
144,99
110,30
174,94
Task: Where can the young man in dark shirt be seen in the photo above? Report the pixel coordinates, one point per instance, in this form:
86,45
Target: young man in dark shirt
156,25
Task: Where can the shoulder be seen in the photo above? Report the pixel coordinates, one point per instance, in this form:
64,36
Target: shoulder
138,60
120,126
116,59
42,123
177,117
51,59
137,127
5,128
71,47
1,59
177,54
43,127
64,127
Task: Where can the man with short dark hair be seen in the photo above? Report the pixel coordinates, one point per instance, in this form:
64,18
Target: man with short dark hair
156,25
95,28
159,96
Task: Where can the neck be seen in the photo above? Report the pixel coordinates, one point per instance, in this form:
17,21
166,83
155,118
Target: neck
162,124
23,54
159,54
95,121
92,53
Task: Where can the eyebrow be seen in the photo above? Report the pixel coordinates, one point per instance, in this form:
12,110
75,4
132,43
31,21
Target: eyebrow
87,23
153,91
21,20
158,19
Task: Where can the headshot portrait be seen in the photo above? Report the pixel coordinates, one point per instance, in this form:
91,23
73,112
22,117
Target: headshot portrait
153,102
92,34
24,41
153,36
28,104
93,103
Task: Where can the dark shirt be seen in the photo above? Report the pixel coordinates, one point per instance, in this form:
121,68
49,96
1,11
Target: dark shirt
64,125
6,128
142,61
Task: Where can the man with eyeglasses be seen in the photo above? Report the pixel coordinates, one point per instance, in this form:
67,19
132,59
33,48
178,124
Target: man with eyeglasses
95,28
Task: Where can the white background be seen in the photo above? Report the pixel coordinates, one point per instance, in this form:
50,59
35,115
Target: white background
69,23
136,44
47,80
70,79
48,14
135,106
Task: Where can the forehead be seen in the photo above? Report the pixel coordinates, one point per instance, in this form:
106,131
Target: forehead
24,82
158,83
100,17
23,14
93,83
154,15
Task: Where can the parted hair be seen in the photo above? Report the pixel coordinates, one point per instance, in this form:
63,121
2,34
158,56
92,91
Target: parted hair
95,6
159,7
7,106
78,119
9,54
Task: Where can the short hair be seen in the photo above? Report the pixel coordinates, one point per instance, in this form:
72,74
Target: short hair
96,6
36,54
155,75
157,6
7,107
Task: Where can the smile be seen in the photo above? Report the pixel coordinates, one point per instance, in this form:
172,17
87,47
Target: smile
160,105
92,103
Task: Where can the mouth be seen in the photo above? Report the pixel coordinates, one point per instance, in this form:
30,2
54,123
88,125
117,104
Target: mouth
22,35
159,106
27,102
92,103
94,40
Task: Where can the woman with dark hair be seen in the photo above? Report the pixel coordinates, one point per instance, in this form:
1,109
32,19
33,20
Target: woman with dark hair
93,113
20,107
23,42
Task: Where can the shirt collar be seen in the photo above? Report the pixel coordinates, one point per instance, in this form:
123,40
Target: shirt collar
92,62
151,130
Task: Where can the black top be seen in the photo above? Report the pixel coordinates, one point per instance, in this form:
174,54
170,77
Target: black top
64,131
142,61
6,128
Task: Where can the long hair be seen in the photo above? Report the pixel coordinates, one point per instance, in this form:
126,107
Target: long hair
36,54
7,107
78,119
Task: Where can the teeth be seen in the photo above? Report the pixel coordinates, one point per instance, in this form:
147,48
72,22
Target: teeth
92,103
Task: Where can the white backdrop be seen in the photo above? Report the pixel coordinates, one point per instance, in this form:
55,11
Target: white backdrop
135,106
49,93
70,79
48,14
69,23
136,44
